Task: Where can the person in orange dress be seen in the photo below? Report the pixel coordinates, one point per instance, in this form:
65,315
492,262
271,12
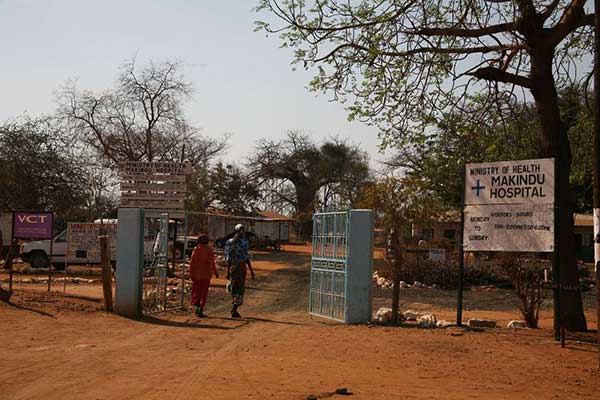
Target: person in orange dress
202,269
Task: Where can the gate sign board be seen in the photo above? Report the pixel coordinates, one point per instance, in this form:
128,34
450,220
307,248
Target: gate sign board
156,187
83,245
509,206
32,225
510,182
509,227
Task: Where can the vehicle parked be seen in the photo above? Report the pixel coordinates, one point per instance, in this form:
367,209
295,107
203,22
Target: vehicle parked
37,253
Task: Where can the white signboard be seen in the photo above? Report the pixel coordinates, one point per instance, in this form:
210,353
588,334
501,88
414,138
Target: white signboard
509,227
83,244
154,168
155,204
153,196
158,179
153,186
437,255
510,182
159,186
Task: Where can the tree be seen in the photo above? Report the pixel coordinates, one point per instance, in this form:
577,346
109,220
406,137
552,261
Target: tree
226,187
509,132
404,63
140,119
399,203
308,167
234,192
39,171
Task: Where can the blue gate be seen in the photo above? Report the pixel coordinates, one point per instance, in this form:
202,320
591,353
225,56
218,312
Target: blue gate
342,265
328,265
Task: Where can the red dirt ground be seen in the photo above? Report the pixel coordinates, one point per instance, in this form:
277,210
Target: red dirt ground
64,347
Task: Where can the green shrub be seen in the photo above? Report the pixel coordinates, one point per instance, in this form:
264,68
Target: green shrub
527,276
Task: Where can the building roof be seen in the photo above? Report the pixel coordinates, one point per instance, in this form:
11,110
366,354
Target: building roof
272,216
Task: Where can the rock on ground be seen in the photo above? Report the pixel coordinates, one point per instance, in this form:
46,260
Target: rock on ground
481,323
411,315
517,324
444,324
426,321
384,315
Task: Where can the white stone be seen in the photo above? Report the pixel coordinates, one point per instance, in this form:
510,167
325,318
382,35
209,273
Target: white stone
384,314
417,284
411,315
481,323
442,323
426,321
517,324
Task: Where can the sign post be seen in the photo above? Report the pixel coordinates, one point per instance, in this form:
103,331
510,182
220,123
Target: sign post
509,206
94,243
156,187
35,225
461,271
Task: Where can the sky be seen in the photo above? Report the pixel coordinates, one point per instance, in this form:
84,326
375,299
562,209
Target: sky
243,82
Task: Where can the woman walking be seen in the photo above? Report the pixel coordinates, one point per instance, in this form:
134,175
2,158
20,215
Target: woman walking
238,257
202,268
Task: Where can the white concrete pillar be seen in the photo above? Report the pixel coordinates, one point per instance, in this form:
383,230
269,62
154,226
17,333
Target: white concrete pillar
130,262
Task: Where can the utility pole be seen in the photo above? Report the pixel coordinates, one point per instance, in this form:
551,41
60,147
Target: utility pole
596,166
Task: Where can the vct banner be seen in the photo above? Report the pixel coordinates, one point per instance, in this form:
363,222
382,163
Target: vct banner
509,206
32,225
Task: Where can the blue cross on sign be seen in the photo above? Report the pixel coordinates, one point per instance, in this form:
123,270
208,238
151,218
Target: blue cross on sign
478,187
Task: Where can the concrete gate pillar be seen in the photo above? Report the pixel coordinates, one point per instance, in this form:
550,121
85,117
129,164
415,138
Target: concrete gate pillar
359,271
130,262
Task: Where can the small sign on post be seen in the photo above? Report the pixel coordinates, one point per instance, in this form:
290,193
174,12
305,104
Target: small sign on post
32,225
82,242
154,186
35,225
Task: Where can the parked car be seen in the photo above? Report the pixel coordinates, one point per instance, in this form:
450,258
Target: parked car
37,253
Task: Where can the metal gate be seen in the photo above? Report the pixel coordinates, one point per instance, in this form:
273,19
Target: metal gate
329,264
156,248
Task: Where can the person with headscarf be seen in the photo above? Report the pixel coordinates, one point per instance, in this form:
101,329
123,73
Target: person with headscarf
238,258
202,268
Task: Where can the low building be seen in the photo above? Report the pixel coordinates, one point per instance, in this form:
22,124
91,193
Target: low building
584,237
449,228
265,224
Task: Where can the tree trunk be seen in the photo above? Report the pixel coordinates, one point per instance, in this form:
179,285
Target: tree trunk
395,294
555,143
305,208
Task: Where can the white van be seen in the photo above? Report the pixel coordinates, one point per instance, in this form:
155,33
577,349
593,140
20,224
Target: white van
37,253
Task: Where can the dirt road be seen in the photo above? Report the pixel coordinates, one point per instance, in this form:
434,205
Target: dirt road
54,347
